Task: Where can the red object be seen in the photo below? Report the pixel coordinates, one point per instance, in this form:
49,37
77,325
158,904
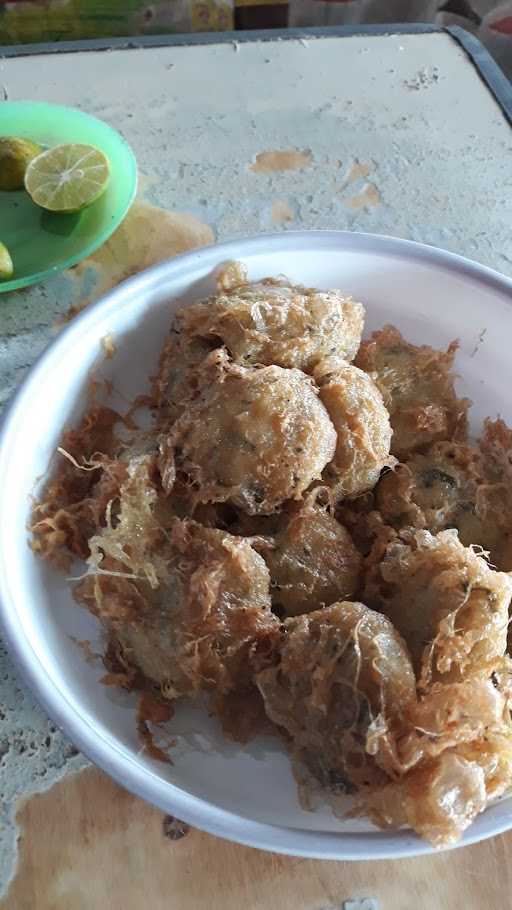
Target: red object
503,26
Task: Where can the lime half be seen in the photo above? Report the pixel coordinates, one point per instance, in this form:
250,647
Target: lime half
6,266
15,156
67,178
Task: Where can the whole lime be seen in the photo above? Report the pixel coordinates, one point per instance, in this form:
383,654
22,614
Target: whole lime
6,266
15,157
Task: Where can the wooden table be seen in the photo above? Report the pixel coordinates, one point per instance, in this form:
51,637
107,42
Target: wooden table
89,844
392,133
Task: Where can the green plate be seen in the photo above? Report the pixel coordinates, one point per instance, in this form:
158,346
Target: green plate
43,243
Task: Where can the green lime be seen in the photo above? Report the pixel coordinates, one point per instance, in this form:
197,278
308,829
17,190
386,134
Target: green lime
6,266
15,156
67,178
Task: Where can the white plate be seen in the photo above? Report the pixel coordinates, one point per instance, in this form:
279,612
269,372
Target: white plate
245,794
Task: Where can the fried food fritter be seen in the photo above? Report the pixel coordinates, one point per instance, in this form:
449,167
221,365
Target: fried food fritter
453,486
266,323
313,561
188,605
450,607
343,672
450,485
441,798
436,491
247,439
417,385
456,758
361,421
439,801
275,322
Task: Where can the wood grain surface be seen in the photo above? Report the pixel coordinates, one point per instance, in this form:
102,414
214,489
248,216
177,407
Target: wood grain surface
87,843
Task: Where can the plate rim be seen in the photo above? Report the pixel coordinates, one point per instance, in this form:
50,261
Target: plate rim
17,284
145,783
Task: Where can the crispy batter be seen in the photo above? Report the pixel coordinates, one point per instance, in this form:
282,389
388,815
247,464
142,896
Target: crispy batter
493,531
74,501
441,798
362,519
232,274
451,608
437,490
496,447
275,322
225,629
176,382
361,421
266,323
494,500
417,385
313,561
342,671
190,606
456,486
456,758
451,714
247,439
